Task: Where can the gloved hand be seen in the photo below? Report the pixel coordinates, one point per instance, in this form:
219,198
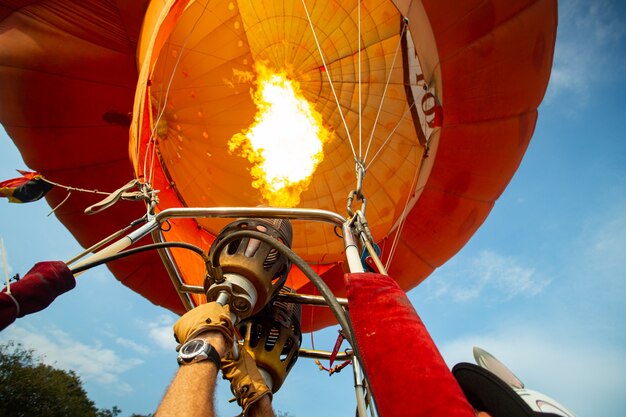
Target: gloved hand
206,317
246,382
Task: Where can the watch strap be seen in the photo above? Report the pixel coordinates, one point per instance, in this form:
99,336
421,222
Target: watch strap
214,357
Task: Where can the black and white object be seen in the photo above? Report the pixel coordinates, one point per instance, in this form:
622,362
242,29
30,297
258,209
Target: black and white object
490,386
196,350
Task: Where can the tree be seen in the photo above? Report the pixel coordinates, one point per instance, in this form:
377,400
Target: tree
113,412
30,388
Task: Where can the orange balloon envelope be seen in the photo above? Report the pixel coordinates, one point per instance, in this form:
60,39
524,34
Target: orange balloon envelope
437,99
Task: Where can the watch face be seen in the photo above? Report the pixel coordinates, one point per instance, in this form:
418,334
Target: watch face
192,347
196,350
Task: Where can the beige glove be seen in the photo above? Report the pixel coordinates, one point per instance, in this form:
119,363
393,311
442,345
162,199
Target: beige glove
206,317
246,382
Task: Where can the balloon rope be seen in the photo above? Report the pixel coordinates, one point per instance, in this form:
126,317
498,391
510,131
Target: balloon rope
403,217
67,197
390,136
330,81
360,103
81,190
382,99
150,148
167,92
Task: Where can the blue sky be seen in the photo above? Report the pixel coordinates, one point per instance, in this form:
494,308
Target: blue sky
541,285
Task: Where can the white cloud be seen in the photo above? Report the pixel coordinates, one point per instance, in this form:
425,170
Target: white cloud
586,33
573,349
129,344
598,20
93,363
582,374
604,245
158,332
126,343
161,332
464,280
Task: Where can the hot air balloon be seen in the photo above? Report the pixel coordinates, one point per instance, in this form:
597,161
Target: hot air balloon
422,111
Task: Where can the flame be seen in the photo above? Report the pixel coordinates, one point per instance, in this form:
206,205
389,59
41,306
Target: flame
285,142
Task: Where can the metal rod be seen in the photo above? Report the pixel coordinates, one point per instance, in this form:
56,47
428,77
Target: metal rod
173,272
223,298
352,250
269,381
315,300
98,245
366,237
112,249
235,212
322,354
119,245
260,212
193,289
374,256
370,401
358,388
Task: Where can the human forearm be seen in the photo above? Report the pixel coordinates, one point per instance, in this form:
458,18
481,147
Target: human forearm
192,390
262,408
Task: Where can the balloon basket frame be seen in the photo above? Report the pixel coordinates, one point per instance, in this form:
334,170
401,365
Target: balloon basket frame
338,305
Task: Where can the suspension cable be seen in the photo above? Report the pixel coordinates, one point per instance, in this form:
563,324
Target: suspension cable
330,81
390,136
151,149
403,217
382,99
359,66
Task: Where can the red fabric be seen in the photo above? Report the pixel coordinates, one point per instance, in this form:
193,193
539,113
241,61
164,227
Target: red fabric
18,182
407,374
41,285
8,310
487,56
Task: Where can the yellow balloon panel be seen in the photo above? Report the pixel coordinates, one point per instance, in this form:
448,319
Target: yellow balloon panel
200,97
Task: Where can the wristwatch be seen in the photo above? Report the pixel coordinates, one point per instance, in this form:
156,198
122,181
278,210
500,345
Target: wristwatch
196,350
